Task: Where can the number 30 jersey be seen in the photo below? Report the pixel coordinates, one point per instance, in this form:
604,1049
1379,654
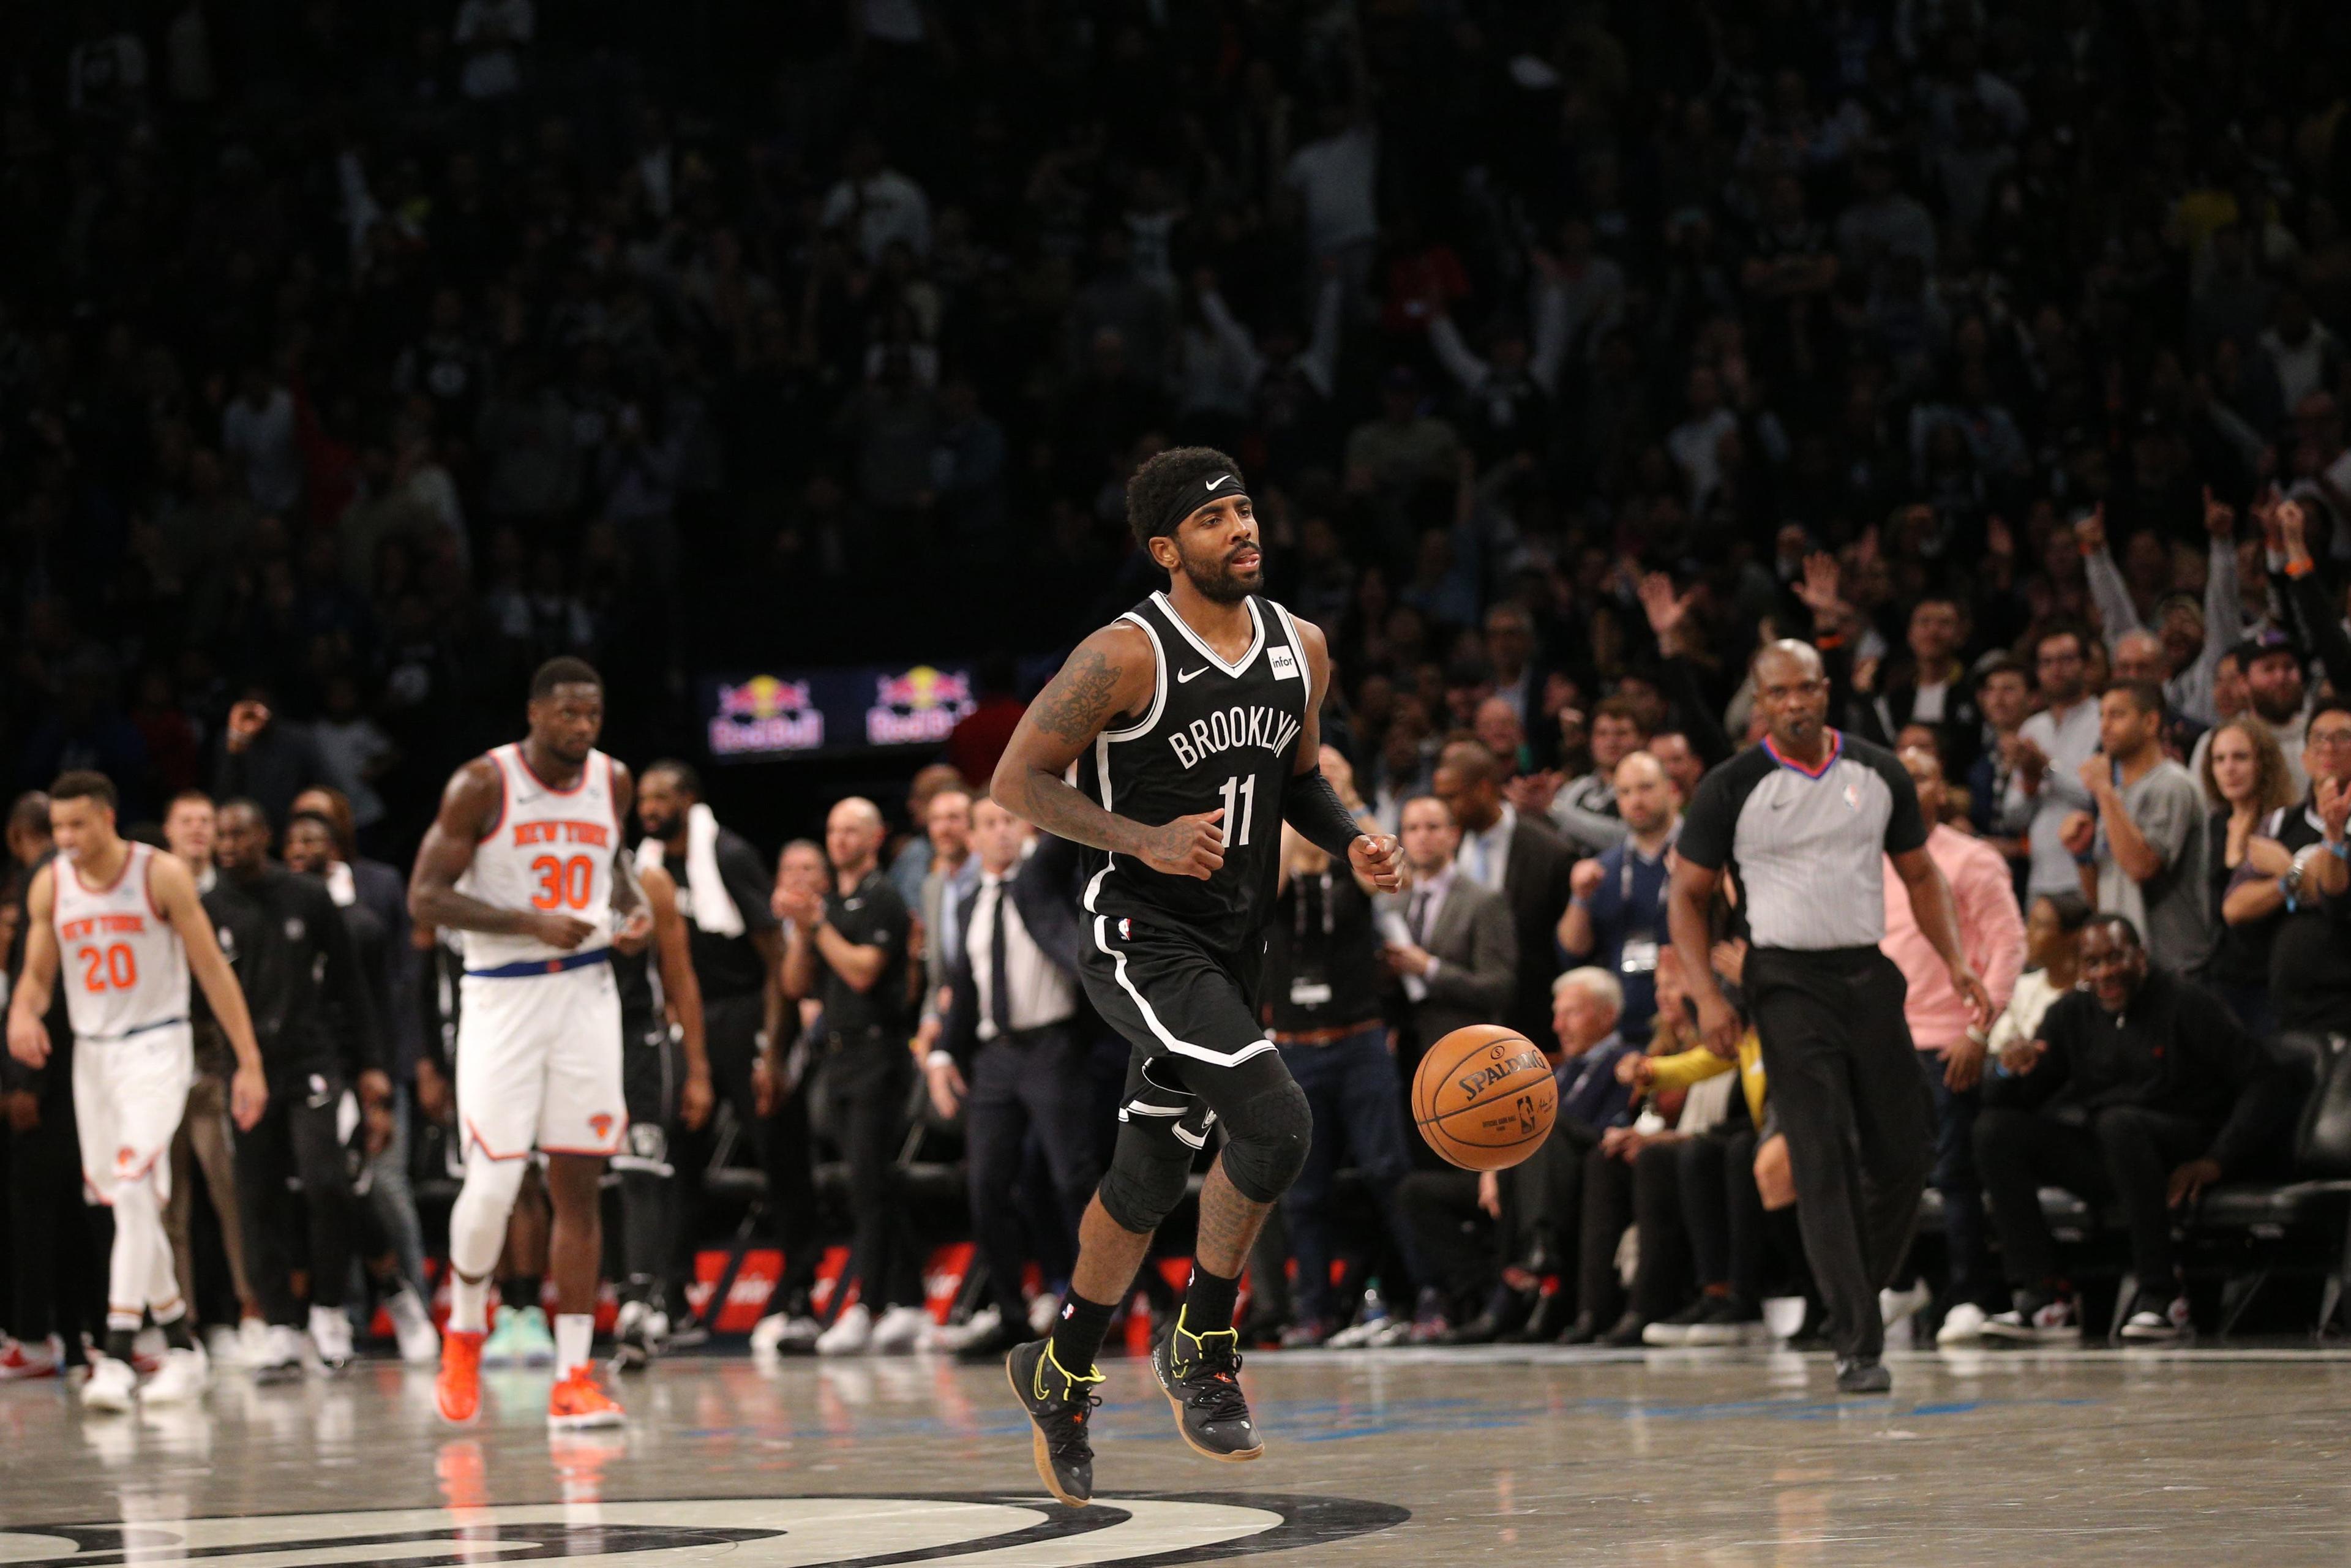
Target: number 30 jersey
551,849
120,962
1215,736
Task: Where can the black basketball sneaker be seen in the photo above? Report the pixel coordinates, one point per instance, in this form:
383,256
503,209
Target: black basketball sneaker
1201,1374
1059,1404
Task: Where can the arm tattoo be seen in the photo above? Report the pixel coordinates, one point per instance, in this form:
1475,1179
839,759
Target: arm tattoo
1073,706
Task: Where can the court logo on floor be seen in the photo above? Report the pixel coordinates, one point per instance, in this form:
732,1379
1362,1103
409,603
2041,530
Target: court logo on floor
762,1532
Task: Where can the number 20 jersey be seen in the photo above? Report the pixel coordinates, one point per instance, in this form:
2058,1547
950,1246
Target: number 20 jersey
551,849
1215,736
122,967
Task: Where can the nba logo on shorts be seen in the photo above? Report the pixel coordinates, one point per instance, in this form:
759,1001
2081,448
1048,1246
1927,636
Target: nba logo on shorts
1125,930
602,1125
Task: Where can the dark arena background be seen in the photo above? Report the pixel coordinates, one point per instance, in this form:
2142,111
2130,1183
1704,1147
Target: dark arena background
790,363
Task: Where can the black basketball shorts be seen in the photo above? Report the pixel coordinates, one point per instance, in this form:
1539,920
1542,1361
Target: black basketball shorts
1188,1013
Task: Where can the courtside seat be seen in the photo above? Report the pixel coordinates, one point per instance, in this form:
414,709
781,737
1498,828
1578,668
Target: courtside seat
2266,1210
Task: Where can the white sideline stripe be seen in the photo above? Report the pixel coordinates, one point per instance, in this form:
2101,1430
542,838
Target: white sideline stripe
1158,1029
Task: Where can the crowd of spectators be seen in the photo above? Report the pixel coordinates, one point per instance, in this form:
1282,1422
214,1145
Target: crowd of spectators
353,362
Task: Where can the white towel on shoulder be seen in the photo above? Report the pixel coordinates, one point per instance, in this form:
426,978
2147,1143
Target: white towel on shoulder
710,905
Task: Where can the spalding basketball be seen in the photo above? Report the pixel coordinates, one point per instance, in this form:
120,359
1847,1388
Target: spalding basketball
1484,1097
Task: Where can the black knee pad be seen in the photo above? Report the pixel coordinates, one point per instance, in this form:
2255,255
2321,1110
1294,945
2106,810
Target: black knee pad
1146,1177
1266,1138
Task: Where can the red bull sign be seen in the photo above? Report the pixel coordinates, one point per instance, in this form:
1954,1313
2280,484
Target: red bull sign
768,717
918,707
765,716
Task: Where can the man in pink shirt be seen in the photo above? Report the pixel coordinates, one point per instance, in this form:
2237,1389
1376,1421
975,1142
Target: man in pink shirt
1950,1050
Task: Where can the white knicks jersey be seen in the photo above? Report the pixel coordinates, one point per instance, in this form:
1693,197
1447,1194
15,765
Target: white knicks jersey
119,961
551,849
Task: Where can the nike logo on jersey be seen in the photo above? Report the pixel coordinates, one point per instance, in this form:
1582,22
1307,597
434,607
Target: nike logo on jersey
1190,675
1220,479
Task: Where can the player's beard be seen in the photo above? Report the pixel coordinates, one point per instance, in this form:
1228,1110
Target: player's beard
663,827
1217,582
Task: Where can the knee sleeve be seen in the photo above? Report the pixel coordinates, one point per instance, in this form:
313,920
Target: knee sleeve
1146,1177
478,1224
1266,1139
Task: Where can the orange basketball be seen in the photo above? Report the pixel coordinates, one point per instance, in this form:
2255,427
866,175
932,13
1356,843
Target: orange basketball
1484,1097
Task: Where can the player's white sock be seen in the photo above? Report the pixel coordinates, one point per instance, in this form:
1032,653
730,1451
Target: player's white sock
574,1333
478,1234
469,1304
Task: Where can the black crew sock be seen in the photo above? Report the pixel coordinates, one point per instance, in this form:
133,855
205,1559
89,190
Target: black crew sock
118,1344
1208,1302
519,1291
1077,1336
176,1334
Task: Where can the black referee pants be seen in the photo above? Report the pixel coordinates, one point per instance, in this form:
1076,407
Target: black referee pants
1845,1087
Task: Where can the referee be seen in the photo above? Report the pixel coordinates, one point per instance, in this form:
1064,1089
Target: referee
1799,820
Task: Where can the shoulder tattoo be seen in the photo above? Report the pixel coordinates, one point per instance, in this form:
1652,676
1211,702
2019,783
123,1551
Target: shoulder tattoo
1073,706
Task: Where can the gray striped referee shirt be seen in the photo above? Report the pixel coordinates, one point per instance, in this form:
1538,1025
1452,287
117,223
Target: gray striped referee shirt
1804,843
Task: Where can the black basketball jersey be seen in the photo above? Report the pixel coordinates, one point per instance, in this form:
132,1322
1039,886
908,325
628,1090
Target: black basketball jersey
1215,735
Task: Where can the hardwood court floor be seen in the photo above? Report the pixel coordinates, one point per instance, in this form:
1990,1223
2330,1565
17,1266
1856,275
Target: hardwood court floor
1411,1458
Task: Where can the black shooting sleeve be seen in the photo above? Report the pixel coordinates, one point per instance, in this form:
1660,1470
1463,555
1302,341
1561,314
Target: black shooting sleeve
1312,807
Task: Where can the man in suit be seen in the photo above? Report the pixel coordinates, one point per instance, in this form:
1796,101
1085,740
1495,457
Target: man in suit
1450,942
1522,859
1454,950
1011,1051
954,873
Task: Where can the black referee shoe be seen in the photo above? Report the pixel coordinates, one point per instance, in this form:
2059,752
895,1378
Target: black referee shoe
1059,1404
1863,1375
1201,1376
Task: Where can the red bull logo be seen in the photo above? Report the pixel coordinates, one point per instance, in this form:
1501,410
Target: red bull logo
919,707
764,715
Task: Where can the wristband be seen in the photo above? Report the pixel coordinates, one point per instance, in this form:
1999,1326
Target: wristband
2340,849
2286,886
2088,857
2298,569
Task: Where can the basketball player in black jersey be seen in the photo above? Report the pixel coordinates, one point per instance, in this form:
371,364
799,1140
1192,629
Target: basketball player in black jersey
1192,724
666,1078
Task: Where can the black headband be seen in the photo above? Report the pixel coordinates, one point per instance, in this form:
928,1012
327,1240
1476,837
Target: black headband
1213,485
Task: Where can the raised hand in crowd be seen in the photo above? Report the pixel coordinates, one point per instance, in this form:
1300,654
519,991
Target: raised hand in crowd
2220,518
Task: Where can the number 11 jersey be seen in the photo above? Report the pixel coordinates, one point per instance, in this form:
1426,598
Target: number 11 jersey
1216,735
550,849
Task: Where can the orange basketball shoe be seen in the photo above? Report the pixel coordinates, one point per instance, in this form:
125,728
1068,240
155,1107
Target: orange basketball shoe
578,1403
458,1389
